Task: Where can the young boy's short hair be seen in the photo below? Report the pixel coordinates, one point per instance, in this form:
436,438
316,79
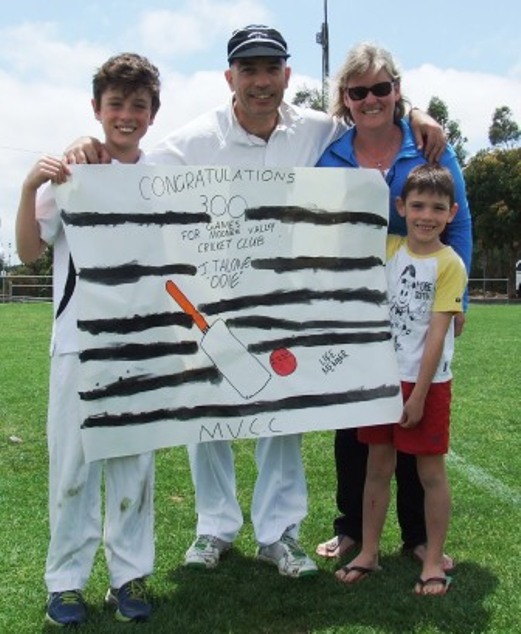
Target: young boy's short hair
432,178
128,72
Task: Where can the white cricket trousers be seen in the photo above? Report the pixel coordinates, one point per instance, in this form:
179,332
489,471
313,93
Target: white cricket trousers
279,497
75,497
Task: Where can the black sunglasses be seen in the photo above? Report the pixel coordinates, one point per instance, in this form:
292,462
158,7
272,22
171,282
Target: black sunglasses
382,89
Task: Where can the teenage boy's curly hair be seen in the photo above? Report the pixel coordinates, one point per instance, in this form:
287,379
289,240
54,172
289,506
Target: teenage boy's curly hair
128,72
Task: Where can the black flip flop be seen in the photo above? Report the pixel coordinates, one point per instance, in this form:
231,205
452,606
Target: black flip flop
444,581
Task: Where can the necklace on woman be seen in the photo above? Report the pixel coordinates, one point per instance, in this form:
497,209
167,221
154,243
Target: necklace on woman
381,161
368,160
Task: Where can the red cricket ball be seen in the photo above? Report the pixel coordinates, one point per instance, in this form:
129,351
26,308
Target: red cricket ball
283,362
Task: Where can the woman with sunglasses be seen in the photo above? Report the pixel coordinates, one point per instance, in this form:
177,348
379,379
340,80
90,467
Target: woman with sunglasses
368,95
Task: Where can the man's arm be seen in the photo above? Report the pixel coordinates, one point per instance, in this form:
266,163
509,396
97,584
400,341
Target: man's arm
428,134
86,149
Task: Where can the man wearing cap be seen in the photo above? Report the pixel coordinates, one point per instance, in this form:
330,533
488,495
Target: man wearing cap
255,128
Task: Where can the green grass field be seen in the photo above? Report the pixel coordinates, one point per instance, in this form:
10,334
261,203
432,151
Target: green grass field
243,596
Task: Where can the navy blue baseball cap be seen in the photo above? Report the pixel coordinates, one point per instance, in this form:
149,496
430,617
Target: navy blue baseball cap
256,40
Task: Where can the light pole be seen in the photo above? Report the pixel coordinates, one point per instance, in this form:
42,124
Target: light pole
322,38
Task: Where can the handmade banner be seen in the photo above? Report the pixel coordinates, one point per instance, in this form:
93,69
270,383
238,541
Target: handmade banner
224,303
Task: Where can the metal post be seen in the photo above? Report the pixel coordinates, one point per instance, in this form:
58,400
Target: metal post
322,38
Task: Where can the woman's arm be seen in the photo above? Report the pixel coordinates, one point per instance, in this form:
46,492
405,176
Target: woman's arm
428,134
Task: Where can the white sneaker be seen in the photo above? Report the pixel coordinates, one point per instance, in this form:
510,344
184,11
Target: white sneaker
205,552
289,557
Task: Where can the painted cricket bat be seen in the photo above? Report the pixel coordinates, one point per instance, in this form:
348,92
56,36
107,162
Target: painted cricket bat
240,368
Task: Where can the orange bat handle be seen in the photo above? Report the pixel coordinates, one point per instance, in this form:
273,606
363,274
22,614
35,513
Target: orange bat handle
187,305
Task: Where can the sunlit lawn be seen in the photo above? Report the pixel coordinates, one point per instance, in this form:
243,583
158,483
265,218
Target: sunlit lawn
243,596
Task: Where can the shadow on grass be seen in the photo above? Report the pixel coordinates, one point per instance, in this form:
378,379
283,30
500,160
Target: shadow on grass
243,596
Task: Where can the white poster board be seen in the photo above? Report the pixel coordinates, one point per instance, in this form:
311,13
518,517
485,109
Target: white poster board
225,303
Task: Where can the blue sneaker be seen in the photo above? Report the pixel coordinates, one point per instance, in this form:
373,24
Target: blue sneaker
66,608
130,601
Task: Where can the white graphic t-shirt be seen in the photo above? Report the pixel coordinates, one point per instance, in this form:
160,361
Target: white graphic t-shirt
418,286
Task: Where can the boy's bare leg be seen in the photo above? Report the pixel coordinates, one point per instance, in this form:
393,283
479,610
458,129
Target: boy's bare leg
433,476
381,463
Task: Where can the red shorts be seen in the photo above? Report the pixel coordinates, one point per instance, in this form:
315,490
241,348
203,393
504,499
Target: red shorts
431,434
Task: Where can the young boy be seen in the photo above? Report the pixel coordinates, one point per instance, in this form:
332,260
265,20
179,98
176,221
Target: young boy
125,101
426,281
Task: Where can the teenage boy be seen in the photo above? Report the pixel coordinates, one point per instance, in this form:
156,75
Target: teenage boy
426,281
125,101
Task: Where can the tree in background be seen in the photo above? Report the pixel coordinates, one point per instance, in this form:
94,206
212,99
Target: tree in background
438,110
503,130
493,179
306,97
41,266
21,282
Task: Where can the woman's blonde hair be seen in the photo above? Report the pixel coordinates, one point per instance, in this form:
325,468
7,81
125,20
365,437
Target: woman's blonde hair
360,59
